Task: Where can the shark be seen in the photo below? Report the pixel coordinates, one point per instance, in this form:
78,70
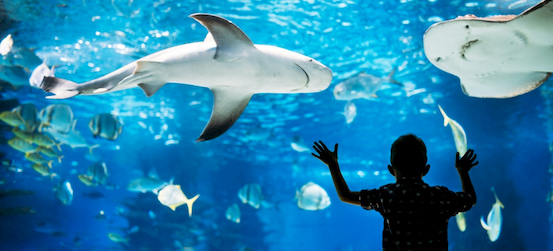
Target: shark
495,57
227,62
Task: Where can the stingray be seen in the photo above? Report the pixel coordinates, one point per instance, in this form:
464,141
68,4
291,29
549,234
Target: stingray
498,56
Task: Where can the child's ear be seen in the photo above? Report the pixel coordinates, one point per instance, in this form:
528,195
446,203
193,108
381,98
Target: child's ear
391,169
425,170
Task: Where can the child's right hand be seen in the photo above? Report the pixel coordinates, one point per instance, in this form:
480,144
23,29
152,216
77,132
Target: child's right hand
466,162
325,155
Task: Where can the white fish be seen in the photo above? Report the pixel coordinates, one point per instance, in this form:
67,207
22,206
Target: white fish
29,113
312,197
106,126
98,173
461,221
64,192
498,56
147,184
251,194
57,116
494,220
227,62
459,135
6,45
233,213
350,112
298,144
362,86
72,138
172,196
39,73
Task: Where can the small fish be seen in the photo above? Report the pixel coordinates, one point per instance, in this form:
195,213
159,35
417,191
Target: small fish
44,140
459,135
87,180
362,86
312,197
118,238
43,170
233,213
298,144
494,220
50,152
38,159
73,138
58,117
39,73
64,192
22,134
146,184
98,173
12,118
350,112
251,194
17,210
172,196
106,126
6,45
461,221
29,113
21,145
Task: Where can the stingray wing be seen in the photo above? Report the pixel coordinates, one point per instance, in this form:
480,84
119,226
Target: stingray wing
497,57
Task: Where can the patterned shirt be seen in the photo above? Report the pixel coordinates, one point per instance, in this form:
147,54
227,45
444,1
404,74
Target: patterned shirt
415,214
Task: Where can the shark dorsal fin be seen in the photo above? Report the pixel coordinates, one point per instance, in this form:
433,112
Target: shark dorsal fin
232,42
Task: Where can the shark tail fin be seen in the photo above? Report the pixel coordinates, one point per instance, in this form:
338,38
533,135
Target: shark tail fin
446,118
189,203
60,87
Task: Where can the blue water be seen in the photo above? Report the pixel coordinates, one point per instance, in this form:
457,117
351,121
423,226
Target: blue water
87,39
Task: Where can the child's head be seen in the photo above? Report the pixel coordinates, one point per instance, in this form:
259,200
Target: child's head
409,156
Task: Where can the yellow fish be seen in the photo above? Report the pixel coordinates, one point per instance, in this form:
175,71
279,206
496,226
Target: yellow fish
27,136
86,180
12,118
38,159
44,140
21,145
118,238
461,221
495,220
172,196
459,135
43,170
50,152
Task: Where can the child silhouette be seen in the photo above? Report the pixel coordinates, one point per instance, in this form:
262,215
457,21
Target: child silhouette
415,214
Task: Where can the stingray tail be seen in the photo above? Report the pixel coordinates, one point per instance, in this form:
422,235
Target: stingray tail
61,88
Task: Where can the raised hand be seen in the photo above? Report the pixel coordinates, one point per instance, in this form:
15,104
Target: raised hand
325,155
465,163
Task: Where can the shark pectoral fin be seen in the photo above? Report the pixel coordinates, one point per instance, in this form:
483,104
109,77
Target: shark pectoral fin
228,104
232,42
484,224
150,88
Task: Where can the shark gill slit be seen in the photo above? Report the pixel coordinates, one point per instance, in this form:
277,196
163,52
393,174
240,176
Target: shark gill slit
306,75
